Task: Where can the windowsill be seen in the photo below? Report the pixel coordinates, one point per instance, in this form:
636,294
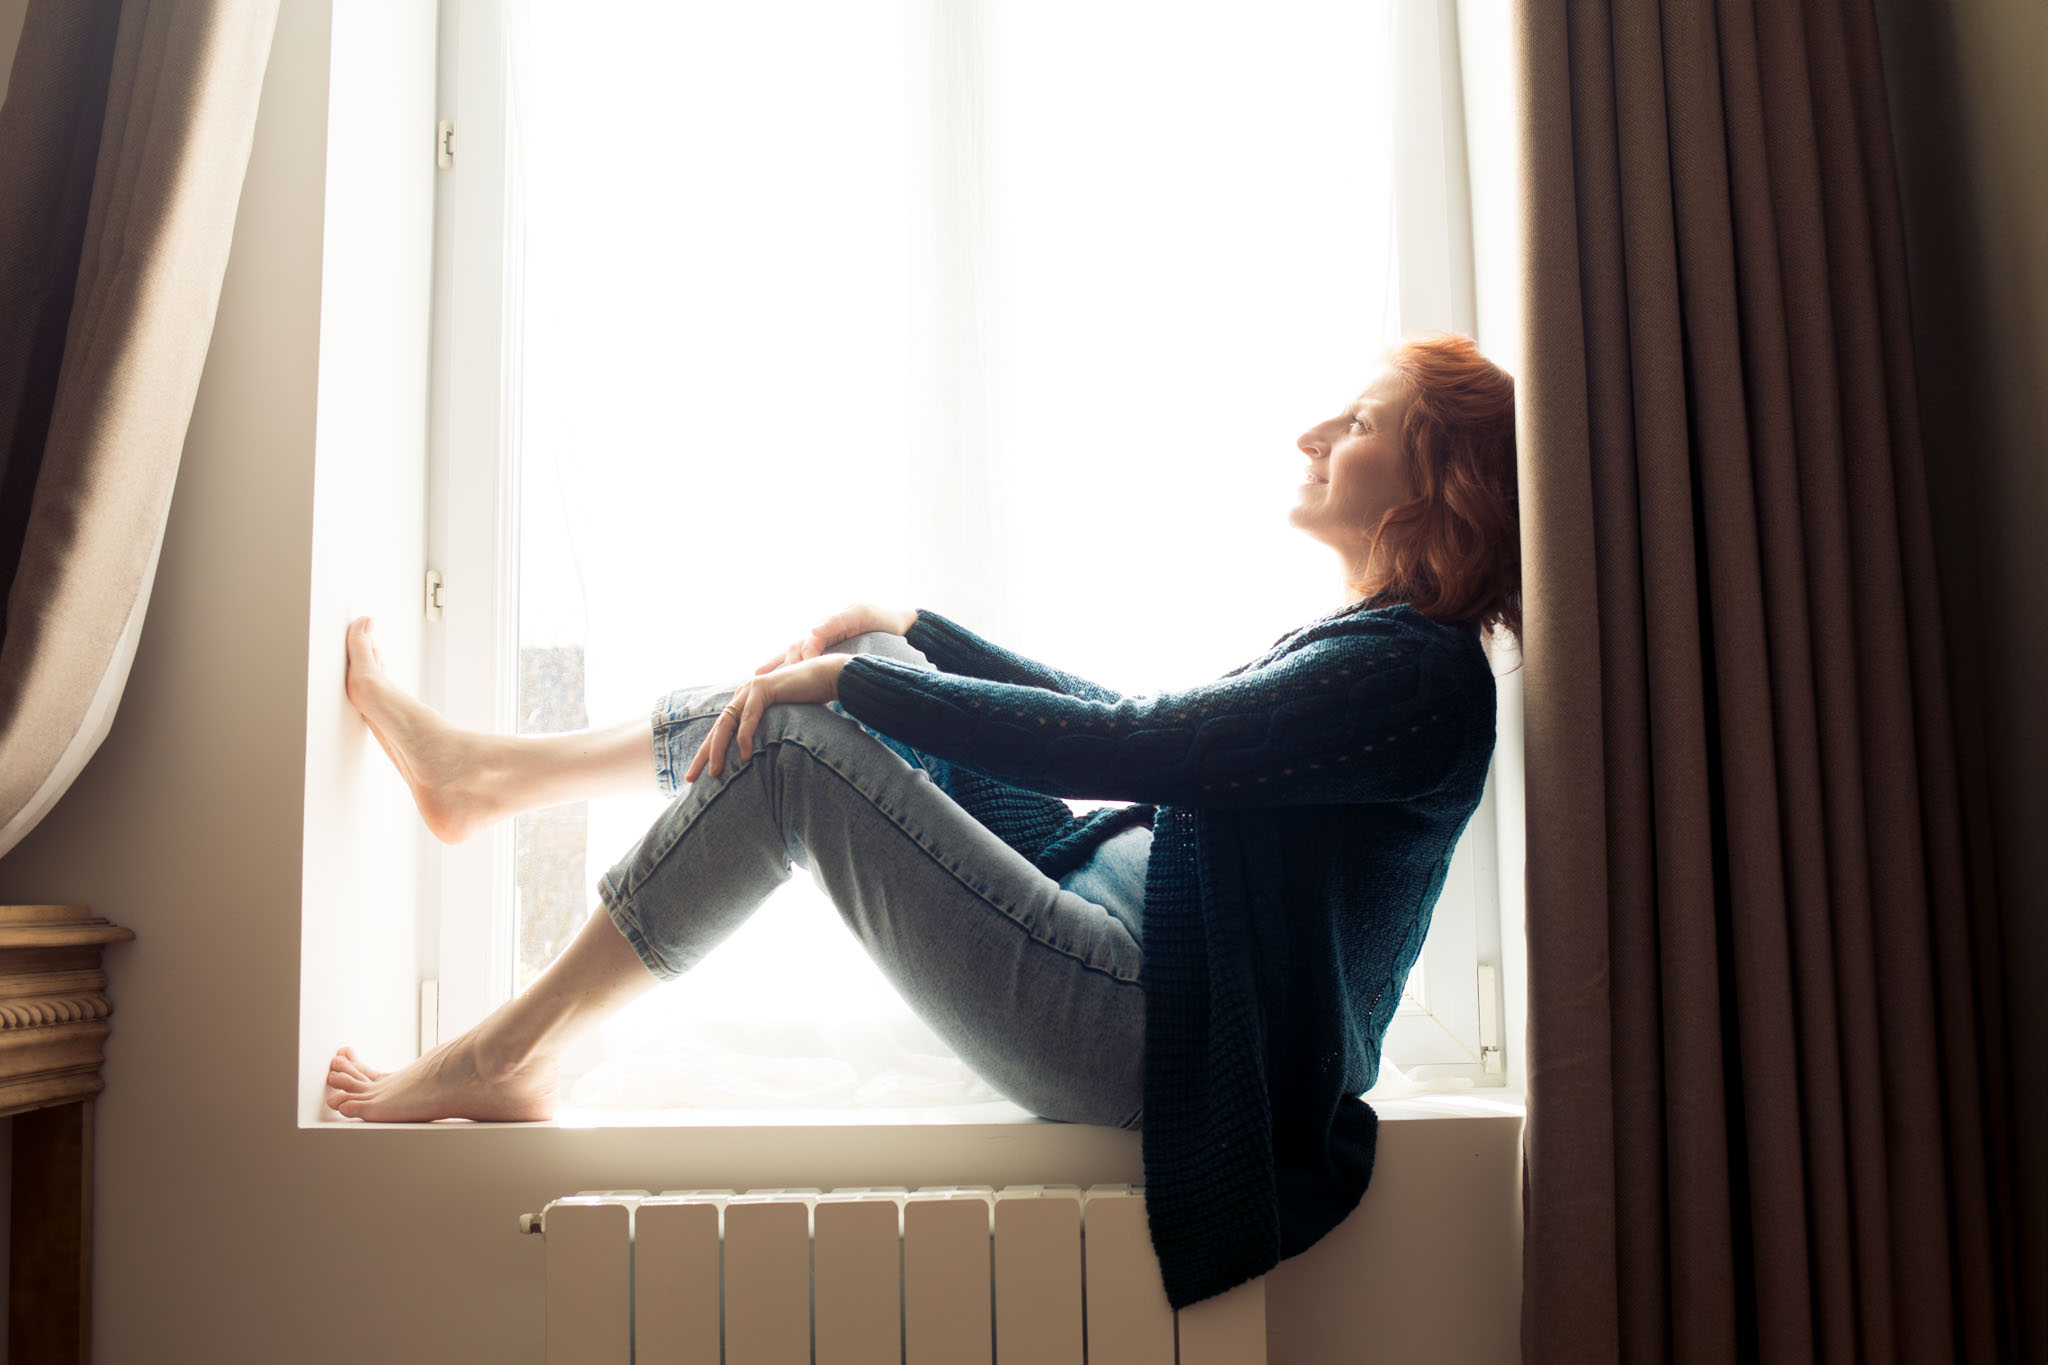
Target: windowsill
1480,1102
972,1119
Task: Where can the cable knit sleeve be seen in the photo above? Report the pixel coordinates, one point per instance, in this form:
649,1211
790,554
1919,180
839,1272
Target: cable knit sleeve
1370,712
955,649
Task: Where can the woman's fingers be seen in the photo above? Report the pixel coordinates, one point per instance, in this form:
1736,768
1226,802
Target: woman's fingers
809,681
697,761
730,721
741,716
843,624
751,700
750,720
711,753
795,654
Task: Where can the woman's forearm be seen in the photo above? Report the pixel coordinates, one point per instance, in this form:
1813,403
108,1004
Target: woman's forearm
956,649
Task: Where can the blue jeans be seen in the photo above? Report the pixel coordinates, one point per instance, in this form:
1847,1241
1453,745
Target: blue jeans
1032,982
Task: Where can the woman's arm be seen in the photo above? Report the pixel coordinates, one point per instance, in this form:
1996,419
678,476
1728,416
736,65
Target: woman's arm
859,619
955,649
1383,712
947,644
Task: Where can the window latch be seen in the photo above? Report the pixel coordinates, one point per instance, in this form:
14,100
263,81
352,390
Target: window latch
1489,1021
434,602
444,144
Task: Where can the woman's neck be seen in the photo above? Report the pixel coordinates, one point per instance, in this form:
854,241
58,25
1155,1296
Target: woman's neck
1362,578
1359,589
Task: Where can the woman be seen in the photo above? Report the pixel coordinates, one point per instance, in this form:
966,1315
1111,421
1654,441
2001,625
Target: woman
1216,965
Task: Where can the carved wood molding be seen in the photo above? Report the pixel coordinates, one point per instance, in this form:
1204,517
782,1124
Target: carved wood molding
53,1004
53,1009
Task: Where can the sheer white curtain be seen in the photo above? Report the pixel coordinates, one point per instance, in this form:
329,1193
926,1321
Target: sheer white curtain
1009,311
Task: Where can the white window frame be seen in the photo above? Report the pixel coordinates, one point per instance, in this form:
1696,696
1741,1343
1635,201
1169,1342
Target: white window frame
469,669
1449,1032
469,664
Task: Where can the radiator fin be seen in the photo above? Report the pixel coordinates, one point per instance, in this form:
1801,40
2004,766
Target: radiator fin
946,1306
1038,1275
767,1280
857,1277
590,1280
959,1275
1129,1319
676,1301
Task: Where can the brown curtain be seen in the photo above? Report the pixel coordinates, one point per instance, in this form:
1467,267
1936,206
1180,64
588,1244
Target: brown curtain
123,141
1761,1045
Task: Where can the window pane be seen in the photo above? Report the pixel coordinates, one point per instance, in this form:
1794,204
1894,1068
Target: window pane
1195,264
732,306
714,403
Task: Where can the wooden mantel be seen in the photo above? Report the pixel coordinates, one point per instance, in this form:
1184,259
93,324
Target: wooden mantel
53,1024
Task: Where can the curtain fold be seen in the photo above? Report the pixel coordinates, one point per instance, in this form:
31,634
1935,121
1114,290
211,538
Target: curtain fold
127,129
1757,1084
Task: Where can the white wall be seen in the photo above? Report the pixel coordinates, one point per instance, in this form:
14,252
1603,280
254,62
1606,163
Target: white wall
359,950
225,1231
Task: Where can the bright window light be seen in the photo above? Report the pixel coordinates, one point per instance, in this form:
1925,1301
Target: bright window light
1009,311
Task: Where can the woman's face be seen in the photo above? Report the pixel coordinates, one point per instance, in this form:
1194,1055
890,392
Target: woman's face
1356,472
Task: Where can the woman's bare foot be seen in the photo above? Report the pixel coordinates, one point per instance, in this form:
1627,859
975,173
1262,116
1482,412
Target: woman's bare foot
445,766
454,1081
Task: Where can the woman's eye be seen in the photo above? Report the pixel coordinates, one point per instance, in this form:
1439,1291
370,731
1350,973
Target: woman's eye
1359,423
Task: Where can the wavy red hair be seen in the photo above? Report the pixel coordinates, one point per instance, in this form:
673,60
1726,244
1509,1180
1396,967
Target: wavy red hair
1454,553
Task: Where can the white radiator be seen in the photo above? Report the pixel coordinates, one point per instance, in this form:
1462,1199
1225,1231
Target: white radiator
1030,1275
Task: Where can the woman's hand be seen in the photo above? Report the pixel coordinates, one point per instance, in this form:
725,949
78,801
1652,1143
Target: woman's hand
812,680
858,619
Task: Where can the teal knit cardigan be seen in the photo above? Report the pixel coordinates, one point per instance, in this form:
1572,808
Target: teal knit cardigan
1303,808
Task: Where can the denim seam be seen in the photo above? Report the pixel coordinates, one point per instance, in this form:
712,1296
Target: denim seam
825,760
1001,909
626,919
664,772
666,723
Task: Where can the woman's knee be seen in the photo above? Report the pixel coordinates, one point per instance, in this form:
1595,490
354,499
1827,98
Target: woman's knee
803,721
883,645
814,735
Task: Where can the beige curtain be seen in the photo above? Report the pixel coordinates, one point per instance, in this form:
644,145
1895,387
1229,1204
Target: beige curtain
1761,1047
123,140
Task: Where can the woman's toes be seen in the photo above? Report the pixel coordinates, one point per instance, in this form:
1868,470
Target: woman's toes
361,652
360,1067
432,756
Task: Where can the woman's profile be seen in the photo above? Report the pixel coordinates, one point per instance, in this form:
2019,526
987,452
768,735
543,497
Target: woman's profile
1215,963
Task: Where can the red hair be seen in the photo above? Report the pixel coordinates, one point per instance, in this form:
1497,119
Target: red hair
1457,553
